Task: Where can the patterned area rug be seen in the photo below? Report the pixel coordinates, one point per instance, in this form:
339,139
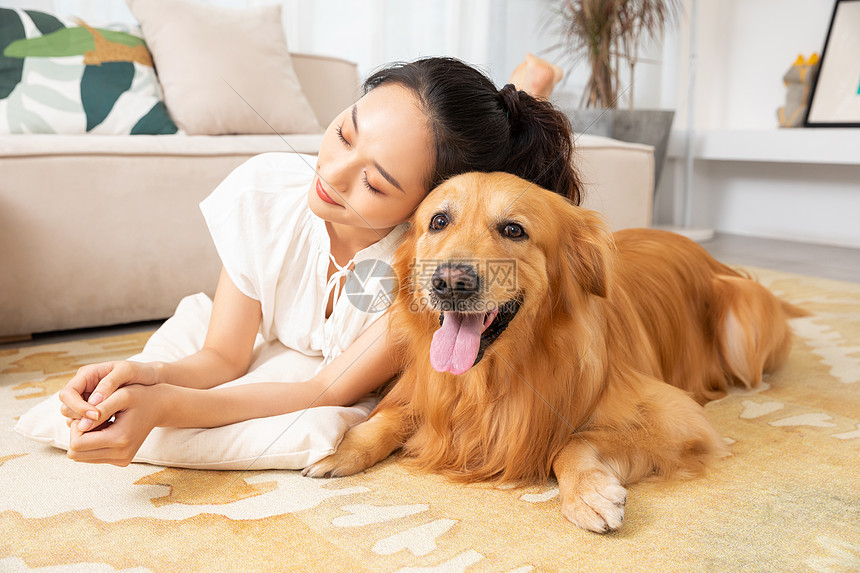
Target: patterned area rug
788,499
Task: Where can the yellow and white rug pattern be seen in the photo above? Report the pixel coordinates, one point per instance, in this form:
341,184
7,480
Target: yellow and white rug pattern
787,499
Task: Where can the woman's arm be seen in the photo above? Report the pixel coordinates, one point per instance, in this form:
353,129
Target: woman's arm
226,355
366,365
229,345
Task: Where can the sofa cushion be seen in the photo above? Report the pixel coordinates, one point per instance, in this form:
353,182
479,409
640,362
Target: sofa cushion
224,71
60,75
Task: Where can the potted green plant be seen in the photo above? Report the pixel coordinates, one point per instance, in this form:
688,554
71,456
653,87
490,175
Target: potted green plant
607,34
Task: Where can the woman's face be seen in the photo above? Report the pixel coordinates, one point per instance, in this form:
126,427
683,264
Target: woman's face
374,161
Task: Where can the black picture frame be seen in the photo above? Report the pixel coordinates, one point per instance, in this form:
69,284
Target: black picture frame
832,101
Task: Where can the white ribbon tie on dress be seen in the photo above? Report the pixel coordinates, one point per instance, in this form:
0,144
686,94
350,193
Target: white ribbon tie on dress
330,325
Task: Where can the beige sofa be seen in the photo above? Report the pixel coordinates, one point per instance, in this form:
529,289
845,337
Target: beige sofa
102,230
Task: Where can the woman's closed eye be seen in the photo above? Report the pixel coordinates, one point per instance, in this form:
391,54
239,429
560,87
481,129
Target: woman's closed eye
340,136
371,188
367,184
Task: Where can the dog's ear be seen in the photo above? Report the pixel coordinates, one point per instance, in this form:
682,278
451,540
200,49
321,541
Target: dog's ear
586,254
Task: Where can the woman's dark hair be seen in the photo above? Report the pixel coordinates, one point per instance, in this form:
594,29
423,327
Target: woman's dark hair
477,127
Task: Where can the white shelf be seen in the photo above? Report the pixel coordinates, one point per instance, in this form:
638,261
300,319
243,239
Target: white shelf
833,146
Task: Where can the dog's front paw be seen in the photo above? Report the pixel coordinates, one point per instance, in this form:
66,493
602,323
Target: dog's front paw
596,503
341,463
362,446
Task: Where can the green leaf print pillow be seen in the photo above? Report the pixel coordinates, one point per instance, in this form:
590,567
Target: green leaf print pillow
58,75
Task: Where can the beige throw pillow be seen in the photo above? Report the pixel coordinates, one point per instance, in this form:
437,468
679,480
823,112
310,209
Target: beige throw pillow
224,71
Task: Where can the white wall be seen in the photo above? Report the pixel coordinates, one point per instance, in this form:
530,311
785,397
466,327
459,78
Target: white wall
744,48
799,202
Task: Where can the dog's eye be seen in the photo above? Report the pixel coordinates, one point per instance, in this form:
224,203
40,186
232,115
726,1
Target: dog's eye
439,221
514,231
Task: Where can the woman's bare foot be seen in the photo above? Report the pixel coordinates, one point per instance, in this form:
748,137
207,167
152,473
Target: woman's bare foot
536,76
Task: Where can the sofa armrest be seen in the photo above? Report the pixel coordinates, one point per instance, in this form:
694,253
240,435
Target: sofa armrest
618,178
330,84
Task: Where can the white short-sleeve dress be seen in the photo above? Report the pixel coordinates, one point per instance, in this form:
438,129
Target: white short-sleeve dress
277,251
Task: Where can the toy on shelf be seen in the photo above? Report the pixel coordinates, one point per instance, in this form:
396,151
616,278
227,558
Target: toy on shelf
798,80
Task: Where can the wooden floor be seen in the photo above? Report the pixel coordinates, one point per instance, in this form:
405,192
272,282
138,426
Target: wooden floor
838,263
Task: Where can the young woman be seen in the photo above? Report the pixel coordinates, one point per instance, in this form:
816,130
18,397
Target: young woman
287,234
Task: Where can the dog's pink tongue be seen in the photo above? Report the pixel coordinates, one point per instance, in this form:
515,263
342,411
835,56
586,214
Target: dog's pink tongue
455,345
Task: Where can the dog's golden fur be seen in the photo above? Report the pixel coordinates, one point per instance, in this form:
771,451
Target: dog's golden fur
596,378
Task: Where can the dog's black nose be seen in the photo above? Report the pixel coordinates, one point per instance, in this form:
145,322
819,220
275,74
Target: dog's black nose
454,281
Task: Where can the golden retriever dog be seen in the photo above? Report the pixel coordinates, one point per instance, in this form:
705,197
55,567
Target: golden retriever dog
535,342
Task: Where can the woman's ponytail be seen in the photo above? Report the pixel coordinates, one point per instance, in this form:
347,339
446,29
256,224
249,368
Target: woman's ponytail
510,98
541,143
